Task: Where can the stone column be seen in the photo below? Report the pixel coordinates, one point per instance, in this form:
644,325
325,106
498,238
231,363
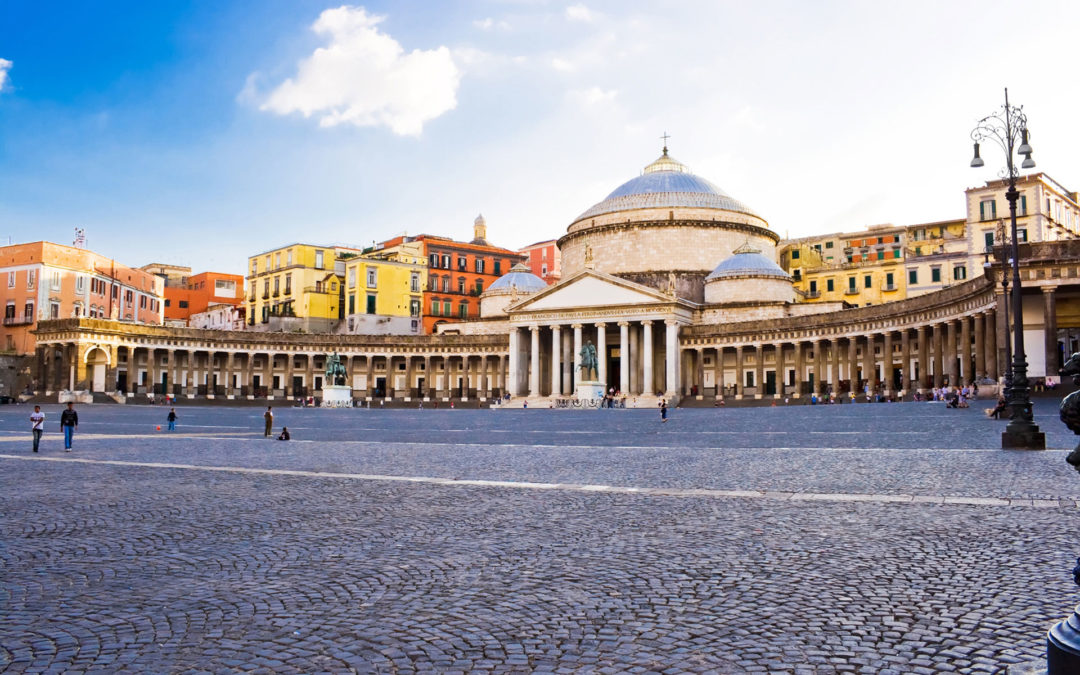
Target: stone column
1050,331
601,354
556,360
887,362
309,376
409,375
740,377
269,374
249,373
950,353
428,382
635,361
965,351
834,371
868,361
939,356
624,356
568,363
369,377
798,367
1003,334
151,369
513,375
174,372
647,387
980,346
287,378
718,375
671,348
905,357
484,387
534,365
853,364
230,364
819,366
924,357
577,352
699,370
990,344
759,376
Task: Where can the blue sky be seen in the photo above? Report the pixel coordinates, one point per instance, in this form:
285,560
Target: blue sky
200,133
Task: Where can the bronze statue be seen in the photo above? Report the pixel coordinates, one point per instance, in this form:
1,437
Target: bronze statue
589,364
335,371
1070,407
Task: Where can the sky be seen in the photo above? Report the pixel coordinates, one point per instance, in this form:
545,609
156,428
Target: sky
200,133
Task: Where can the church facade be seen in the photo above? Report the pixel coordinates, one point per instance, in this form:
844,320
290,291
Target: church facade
673,282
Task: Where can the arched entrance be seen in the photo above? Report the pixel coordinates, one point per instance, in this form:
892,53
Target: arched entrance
97,363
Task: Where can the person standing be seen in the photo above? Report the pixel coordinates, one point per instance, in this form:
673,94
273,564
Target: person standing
69,422
172,419
268,417
663,410
37,423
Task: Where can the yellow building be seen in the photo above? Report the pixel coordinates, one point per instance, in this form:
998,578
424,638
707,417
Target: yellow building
297,287
938,255
383,291
860,268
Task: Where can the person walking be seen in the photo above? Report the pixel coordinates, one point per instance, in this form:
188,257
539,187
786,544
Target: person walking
172,419
37,425
69,422
268,416
663,410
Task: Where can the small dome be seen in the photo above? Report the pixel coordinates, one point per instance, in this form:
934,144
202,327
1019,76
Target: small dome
747,262
519,278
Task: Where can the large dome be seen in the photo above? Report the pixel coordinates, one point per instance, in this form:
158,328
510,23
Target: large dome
747,262
520,278
666,183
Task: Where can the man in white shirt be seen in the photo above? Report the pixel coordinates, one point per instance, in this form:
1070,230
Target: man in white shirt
37,421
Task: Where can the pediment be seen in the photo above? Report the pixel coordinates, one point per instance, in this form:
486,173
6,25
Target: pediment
591,289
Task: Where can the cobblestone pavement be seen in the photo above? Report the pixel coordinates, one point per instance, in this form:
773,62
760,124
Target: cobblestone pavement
287,560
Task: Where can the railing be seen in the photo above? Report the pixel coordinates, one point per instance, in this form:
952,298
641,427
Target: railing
813,294
889,287
17,320
317,289
266,296
851,291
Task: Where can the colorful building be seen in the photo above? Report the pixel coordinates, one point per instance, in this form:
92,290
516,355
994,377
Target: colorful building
860,268
175,276
297,287
544,260
384,291
199,292
52,281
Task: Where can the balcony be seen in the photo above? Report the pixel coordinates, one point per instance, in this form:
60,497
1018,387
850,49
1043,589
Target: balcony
851,291
889,287
319,289
18,320
276,293
813,294
266,296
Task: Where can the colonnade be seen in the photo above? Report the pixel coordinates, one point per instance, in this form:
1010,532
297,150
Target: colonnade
635,357
951,352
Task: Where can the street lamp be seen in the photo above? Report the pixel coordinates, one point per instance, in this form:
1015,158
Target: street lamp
1006,127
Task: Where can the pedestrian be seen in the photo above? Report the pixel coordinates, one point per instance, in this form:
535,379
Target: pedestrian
284,434
172,419
69,422
663,410
37,423
268,417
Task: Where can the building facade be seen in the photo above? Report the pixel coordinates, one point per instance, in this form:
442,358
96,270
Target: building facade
384,292
297,288
42,280
200,292
544,260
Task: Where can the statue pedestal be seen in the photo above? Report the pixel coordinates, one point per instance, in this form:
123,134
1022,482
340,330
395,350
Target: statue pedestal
337,396
589,389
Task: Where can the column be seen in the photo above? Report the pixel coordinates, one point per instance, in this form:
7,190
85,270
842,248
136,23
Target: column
647,387
905,358
429,382
483,390
781,370
635,362
556,360
409,373
939,359
534,366
1050,331
601,354
151,370
671,348
965,351
924,357
249,377
230,363
287,383
980,346
174,368
990,344
718,374
269,374
369,379
513,368
577,352
950,353
309,376
189,376
868,362
1003,334
798,366
624,356
853,364
834,372
568,363
819,366
887,362
699,370
740,378
759,376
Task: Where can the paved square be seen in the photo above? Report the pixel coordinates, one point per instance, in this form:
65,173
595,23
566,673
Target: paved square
869,538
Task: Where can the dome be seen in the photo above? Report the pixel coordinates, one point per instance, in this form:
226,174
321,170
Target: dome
747,262
519,278
666,183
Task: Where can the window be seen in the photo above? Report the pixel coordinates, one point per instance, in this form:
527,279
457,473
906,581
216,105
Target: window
288,257
446,261
918,250
479,265
414,282
463,310
28,311
913,276
31,279
265,313
498,267
54,310
142,302
1021,236
851,284
266,264
479,286
462,263
543,269
288,284
11,282
446,284
797,274
352,277
749,378
935,274
828,244
435,307
333,287
414,308
813,287
896,252
433,260
881,255
254,267
183,304
888,280
371,303
868,281
988,239
1023,205
9,312
168,302
959,273
277,260
372,277
277,285
318,260
829,286
352,308
794,254
461,284
266,288
446,307
987,209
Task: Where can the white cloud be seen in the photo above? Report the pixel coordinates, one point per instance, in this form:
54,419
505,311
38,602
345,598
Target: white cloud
562,65
593,96
484,24
581,13
5,66
364,77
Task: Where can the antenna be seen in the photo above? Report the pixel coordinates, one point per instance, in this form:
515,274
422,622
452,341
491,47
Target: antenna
80,238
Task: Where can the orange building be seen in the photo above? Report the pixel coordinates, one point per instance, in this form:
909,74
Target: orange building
42,280
458,272
201,291
544,260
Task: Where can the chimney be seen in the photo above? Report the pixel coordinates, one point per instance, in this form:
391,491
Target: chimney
479,231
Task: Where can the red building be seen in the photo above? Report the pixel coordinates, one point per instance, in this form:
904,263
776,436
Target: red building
200,292
544,260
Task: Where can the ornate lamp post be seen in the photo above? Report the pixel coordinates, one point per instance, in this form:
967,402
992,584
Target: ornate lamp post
1006,127
1003,240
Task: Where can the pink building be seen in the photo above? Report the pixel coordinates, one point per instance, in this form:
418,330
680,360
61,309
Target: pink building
544,260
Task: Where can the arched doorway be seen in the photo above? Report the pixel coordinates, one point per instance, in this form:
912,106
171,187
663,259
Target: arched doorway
97,363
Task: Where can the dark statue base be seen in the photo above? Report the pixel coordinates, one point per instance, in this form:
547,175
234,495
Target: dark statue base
1023,440
1063,647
